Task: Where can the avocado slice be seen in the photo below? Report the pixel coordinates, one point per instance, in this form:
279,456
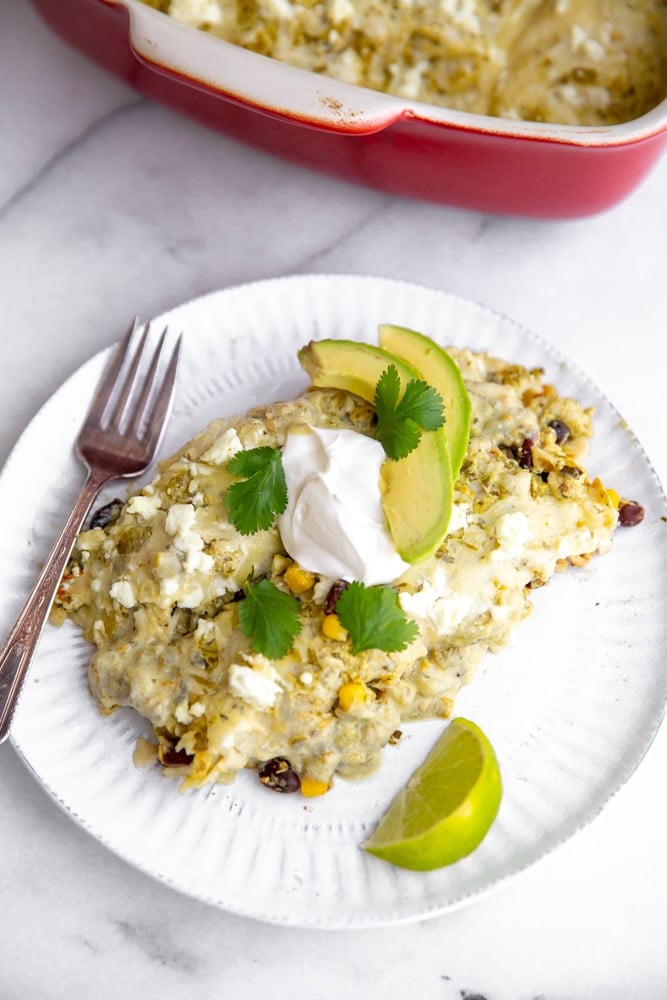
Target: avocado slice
440,370
417,490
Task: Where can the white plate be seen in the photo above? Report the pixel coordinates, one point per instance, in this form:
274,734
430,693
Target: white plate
570,707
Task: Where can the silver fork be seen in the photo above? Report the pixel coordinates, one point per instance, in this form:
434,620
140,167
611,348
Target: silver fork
119,438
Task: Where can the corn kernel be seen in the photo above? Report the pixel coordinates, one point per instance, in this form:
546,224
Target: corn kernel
606,493
333,629
614,497
350,694
298,580
310,787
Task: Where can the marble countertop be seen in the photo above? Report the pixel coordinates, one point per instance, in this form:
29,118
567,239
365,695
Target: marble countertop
111,205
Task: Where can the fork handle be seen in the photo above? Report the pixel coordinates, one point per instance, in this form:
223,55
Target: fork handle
22,642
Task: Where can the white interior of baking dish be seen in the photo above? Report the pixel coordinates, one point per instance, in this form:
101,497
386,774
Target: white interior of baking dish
331,104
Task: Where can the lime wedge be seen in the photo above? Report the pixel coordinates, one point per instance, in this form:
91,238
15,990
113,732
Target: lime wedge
448,805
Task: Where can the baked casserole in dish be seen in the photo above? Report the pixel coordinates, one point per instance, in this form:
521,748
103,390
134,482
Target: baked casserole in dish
550,109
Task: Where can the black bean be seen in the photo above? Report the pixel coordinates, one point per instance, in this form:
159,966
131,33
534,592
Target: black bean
106,515
278,775
174,758
333,595
525,454
630,513
561,430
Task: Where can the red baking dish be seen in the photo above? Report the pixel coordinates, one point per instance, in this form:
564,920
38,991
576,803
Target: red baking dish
395,145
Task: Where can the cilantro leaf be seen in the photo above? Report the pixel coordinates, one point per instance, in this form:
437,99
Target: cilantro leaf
387,392
423,404
401,421
398,438
374,619
269,618
256,500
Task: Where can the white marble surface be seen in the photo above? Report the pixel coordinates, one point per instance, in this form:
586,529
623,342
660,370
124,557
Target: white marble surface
111,205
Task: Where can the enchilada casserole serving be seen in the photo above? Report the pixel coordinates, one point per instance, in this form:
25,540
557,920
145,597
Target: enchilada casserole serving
158,584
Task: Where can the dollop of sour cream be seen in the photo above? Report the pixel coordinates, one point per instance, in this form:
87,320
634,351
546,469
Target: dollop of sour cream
334,524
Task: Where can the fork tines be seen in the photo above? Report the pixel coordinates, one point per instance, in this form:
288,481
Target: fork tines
136,406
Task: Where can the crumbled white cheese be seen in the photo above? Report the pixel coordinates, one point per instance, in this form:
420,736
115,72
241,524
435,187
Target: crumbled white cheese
169,586
221,585
145,506
180,518
438,603
182,713
195,12
306,677
123,592
195,559
340,10
195,469
223,448
451,609
205,628
441,601
179,524
458,519
166,564
512,533
191,597
581,42
259,690
569,93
